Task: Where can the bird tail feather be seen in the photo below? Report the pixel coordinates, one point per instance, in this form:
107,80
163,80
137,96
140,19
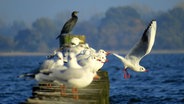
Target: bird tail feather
58,36
27,75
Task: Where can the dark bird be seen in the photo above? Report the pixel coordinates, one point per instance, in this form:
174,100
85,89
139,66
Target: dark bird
68,26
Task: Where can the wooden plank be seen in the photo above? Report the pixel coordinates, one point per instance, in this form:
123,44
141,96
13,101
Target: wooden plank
64,101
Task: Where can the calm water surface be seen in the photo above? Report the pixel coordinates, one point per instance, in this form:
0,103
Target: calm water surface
163,84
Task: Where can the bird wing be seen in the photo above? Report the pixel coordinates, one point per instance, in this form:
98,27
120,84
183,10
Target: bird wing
120,57
145,44
68,26
64,75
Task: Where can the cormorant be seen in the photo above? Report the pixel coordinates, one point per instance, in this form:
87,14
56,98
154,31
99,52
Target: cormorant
68,26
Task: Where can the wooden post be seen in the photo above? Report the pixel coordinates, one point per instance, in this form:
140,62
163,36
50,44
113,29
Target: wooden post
96,93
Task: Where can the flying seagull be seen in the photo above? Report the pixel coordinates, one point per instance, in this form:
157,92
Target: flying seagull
68,26
141,49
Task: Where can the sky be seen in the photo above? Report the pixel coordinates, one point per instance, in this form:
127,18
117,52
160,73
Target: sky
30,10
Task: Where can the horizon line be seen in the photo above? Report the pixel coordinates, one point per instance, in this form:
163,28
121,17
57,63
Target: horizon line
112,51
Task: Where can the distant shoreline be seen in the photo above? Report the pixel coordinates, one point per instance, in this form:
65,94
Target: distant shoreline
119,52
155,52
23,54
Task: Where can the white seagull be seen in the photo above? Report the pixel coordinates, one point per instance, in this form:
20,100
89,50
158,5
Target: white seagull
49,65
75,41
72,61
75,77
142,48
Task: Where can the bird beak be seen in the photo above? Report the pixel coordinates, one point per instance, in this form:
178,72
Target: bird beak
77,12
81,41
146,70
105,61
98,60
108,53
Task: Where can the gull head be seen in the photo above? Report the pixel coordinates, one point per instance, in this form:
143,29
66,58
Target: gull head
141,69
75,41
72,56
101,51
59,55
102,58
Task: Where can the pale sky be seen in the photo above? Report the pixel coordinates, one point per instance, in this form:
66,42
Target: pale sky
30,10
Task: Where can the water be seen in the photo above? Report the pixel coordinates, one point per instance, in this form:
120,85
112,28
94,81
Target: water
163,84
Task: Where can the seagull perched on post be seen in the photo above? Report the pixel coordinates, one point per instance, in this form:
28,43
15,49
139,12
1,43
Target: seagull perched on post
141,49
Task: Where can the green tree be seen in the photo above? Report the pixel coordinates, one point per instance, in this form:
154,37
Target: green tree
29,40
119,28
170,29
47,28
6,43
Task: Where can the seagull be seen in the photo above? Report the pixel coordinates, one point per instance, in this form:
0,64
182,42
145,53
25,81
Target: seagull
46,66
77,49
59,63
141,49
84,54
53,64
75,41
95,65
87,53
101,51
72,61
75,77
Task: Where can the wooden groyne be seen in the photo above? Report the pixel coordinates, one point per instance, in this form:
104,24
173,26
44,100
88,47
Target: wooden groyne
96,93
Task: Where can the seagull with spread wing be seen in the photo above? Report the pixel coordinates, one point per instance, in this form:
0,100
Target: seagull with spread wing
141,49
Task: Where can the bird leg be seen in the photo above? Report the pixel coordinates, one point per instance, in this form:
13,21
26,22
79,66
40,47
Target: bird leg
106,60
75,93
49,85
108,53
126,74
63,90
96,77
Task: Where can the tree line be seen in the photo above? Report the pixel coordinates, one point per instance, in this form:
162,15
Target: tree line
118,29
